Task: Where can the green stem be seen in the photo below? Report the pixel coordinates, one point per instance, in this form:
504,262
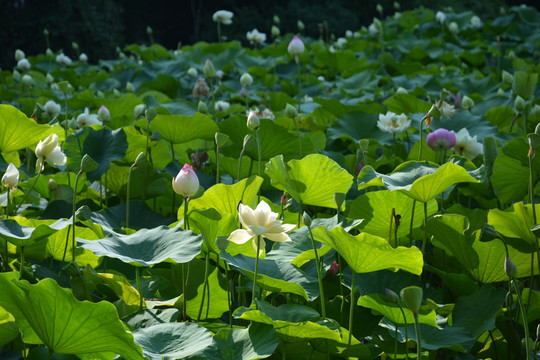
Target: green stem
424,243
240,165
351,313
174,194
319,272
217,165
229,302
524,318
8,202
219,31
66,117
73,213
253,297
22,263
395,342
138,280
406,332
299,138
28,192
128,194
184,300
421,135
299,84
205,284
186,218
418,340
259,152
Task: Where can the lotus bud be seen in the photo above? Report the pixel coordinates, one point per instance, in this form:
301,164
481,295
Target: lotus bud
339,199
130,87
45,32
519,103
453,27
379,9
16,75
284,199
49,53
52,185
412,297
510,268
11,176
74,45
23,65
186,183
361,165
300,25
49,78
221,139
290,111
192,72
391,296
150,114
296,46
253,121
83,213
441,139
246,80
276,19
103,114
507,77
275,31
467,103
52,109
27,80
401,90
306,219
83,58
364,145
19,55
202,107
149,30
116,93
88,164
138,111
536,110
209,70
501,92
156,135
397,6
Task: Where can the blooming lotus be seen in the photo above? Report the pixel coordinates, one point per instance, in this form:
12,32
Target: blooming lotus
223,17
256,37
441,139
259,224
63,59
52,109
186,183
466,145
253,121
393,123
11,177
50,151
220,106
447,110
86,118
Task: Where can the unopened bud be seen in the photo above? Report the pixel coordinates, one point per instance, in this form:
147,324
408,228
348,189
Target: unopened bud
364,145
209,70
249,143
276,19
156,135
130,87
507,77
510,268
150,114
300,25
467,103
74,45
138,111
412,297
306,219
519,103
83,213
253,121
202,107
284,199
391,296
275,31
88,164
149,30
52,185
290,111
246,80
221,139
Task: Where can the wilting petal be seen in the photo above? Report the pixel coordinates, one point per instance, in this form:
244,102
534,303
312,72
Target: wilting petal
239,236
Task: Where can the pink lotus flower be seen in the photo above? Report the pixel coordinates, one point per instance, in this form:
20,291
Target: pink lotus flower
186,183
441,139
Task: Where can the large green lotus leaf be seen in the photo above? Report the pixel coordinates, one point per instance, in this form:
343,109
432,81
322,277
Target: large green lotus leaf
376,209
210,224
150,317
258,341
161,150
225,198
298,323
476,312
119,284
366,252
19,235
312,180
148,247
509,188
56,245
515,225
64,324
178,129
407,104
524,84
418,180
145,181
380,305
172,341
8,329
275,275
18,131
358,125
215,299
103,145
483,260
458,284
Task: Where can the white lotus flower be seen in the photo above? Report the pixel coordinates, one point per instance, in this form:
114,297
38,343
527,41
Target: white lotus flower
476,23
221,105
393,123
296,46
49,150
440,17
447,110
52,109
246,80
23,65
186,183
466,145
259,224
11,176
86,118
63,59
223,16
256,37
192,72
19,55
83,58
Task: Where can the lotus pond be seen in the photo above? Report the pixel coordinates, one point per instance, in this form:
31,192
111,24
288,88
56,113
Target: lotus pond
371,196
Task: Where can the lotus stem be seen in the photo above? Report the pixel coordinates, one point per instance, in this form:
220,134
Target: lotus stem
28,192
418,340
406,331
73,214
217,164
319,262
424,243
254,297
299,138
420,142
240,165
8,202
128,194
184,307
22,263
351,313
138,281
205,284
524,318
259,151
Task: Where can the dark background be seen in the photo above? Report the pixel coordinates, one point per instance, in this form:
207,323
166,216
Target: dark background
99,26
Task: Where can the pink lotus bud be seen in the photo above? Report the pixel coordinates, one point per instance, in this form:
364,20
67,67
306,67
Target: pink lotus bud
441,139
296,46
186,183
